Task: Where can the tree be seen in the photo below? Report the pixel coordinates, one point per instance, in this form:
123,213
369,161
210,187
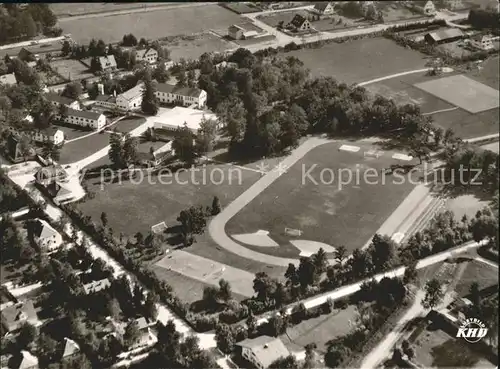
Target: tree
113,308
95,65
207,133
132,333
410,274
160,73
46,348
310,356
115,150
104,219
192,222
191,78
73,90
291,275
51,151
27,335
150,306
433,294
320,260
336,355
66,48
277,325
474,293
251,323
129,40
181,79
340,254
211,297
307,272
183,144
149,103
224,338
43,112
264,286
216,208
289,362
225,293
382,252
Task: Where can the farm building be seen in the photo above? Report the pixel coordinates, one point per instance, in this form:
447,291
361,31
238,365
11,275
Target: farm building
184,96
179,116
444,36
482,42
299,23
153,158
263,351
323,8
8,79
240,32
51,134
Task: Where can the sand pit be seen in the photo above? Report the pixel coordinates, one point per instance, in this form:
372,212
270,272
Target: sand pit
307,248
260,238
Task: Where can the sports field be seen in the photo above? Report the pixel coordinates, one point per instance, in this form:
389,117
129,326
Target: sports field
327,209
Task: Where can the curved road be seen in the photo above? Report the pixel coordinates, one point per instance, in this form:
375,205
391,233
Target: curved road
216,228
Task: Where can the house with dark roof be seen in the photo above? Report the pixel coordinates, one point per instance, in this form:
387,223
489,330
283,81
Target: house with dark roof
8,79
425,7
184,96
298,24
83,118
323,8
17,151
262,351
58,100
15,316
46,237
443,36
107,62
106,101
51,134
482,42
153,158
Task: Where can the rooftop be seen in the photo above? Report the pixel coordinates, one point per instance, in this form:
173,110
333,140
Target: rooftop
108,98
298,20
43,230
266,349
133,93
96,286
88,114
52,96
446,34
70,347
183,91
179,115
8,79
18,313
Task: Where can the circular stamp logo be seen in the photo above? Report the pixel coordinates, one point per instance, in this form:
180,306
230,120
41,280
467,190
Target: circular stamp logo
472,330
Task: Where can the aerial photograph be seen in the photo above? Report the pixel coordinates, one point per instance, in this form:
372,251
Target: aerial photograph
249,185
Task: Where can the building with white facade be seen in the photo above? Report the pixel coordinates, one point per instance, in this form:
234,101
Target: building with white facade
51,134
482,42
185,96
179,116
8,79
148,55
83,118
263,351
106,101
131,99
58,100
46,237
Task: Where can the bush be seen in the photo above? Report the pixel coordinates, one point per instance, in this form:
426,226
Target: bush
229,316
202,323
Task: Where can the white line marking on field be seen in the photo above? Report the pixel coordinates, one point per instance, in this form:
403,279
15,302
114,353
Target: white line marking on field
349,148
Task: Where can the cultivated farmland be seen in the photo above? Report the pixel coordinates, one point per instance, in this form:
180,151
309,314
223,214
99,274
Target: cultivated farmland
151,25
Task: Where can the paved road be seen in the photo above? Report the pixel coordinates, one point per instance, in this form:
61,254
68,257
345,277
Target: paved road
28,43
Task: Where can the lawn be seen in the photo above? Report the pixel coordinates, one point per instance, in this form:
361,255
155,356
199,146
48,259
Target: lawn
445,115
72,9
128,124
242,8
151,25
70,69
321,330
136,207
192,47
466,205
435,348
78,150
360,60
485,275
325,212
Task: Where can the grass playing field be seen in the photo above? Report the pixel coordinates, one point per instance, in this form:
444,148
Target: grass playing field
325,212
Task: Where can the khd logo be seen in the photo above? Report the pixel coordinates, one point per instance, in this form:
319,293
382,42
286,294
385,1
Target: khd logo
472,330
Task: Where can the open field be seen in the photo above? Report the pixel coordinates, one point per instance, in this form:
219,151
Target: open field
485,275
445,114
436,348
71,9
207,271
492,147
136,207
78,150
71,69
72,132
242,8
128,124
360,60
325,211
465,205
322,329
151,25
192,47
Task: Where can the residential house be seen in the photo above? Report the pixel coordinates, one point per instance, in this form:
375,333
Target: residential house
8,79
25,360
153,158
69,348
51,134
96,286
106,101
482,42
46,237
323,8
146,337
443,36
83,118
59,100
15,316
235,32
107,62
185,96
262,351
130,100
51,174
148,55
299,24
425,7
242,31
6,298
60,191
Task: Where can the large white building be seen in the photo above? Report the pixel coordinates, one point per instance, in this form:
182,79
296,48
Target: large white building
131,99
52,135
185,96
83,118
178,116
58,100
263,351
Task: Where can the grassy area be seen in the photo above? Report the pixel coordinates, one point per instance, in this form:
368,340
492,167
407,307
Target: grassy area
360,60
136,207
71,9
465,205
435,348
485,275
192,47
151,25
80,149
322,329
70,69
71,133
348,215
242,8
